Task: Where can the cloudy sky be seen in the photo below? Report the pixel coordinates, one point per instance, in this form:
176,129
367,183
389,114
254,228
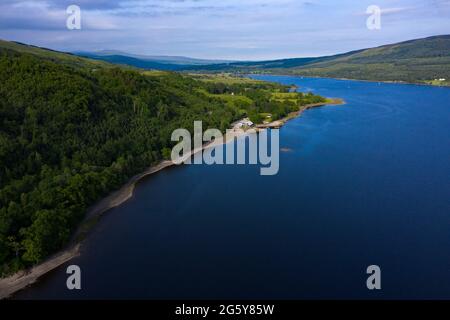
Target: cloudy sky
221,29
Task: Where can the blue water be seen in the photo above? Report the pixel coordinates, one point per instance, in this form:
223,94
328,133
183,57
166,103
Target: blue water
364,183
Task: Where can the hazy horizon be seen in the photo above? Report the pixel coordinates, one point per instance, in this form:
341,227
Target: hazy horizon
240,60
230,30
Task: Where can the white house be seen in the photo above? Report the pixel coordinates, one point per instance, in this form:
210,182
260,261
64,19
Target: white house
243,123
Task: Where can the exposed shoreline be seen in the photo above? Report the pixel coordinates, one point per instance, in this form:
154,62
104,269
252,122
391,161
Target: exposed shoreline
24,278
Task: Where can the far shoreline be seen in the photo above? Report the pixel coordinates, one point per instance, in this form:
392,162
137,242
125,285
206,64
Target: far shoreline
24,278
350,79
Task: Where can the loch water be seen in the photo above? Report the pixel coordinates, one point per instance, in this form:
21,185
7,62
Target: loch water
360,184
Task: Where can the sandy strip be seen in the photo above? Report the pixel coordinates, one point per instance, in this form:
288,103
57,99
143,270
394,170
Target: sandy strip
118,197
22,279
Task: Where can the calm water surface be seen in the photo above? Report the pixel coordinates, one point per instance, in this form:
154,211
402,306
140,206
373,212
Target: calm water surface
365,183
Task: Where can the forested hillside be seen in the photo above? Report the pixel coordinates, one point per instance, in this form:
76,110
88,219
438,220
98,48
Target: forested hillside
72,132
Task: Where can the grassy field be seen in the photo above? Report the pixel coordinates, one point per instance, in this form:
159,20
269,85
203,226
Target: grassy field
228,97
438,82
293,97
154,73
267,117
225,78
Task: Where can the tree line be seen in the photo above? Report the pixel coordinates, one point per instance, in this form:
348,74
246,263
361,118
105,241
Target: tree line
69,135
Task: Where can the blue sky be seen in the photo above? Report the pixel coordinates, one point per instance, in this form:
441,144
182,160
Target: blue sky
222,29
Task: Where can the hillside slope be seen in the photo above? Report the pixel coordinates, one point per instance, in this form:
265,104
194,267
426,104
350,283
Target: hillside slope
135,62
49,55
166,60
416,61
411,61
73,129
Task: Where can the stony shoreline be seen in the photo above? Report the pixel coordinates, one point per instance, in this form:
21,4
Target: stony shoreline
22,279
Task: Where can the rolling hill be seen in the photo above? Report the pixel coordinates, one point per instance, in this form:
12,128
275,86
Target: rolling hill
415,61
49,54
73,129
168,63
177,60
421,60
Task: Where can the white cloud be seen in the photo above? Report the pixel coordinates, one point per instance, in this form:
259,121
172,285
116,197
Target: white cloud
231,29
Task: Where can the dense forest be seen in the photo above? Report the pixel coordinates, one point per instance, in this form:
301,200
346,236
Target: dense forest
70,133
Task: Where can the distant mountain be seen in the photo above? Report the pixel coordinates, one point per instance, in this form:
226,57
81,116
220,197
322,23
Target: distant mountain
270,64
160,59
176,63
149,62
421,60
138,63
424,60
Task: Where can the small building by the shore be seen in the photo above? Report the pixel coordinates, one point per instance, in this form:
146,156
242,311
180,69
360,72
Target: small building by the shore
246,122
